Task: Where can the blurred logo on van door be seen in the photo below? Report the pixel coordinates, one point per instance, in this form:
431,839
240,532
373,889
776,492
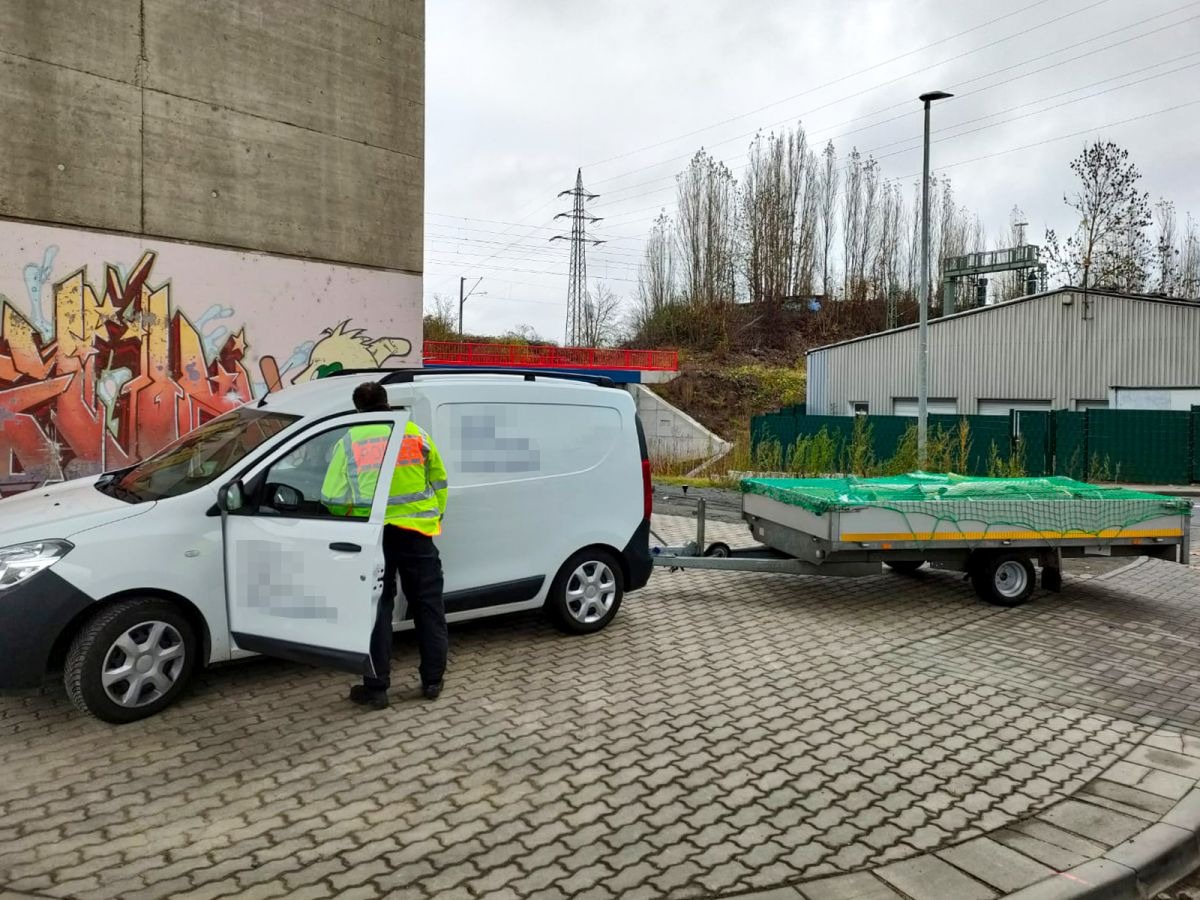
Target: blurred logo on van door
491,442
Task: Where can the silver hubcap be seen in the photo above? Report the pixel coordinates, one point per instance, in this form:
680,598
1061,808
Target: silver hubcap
1011,579
591,592
142,664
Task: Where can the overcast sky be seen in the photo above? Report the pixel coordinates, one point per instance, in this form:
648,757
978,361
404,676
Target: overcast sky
521,93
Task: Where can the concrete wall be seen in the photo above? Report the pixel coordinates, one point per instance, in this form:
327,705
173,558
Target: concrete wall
671,434
112,346
1053,348
290,126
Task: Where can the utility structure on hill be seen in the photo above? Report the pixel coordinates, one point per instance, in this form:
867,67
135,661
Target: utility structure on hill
577,298
972,268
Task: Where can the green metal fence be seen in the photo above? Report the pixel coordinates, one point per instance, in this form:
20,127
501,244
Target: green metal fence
1195,443
1138,446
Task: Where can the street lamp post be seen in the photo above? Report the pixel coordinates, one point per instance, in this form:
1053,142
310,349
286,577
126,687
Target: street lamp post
923,297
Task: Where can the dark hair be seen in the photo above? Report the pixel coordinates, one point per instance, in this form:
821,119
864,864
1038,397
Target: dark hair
370,397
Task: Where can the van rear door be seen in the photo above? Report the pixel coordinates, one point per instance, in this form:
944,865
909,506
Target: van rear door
303,556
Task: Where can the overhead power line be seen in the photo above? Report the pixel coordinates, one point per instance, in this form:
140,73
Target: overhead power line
826,84
472,250
468,238
1063,137
496,268
915,143
823,132
458,219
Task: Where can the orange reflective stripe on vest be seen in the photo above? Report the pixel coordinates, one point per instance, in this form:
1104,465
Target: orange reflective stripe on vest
412,451
369,452
417,493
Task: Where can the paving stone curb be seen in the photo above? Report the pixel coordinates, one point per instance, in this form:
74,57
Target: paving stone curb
1127,835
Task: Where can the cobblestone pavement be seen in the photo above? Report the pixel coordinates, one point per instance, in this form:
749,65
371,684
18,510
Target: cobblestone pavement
728,732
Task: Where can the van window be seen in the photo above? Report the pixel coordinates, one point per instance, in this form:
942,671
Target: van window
331,475
197,458
482,443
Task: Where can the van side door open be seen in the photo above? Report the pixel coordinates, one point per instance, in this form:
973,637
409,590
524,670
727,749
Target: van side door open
303,556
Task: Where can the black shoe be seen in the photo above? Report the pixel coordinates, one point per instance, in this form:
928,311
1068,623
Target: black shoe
372,697
431,691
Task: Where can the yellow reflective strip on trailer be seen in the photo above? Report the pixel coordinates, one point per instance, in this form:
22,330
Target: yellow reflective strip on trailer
865,538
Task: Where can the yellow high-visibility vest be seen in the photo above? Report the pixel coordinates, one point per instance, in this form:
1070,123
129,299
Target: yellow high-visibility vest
418,489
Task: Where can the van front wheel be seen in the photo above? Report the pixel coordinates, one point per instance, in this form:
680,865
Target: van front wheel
130,660
586,593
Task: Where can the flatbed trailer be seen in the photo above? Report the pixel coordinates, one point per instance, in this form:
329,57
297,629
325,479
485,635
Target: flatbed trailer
995,541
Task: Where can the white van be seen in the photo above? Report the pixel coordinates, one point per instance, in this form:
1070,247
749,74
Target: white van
219,546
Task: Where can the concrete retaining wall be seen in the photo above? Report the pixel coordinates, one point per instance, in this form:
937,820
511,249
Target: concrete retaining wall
671,433
290,126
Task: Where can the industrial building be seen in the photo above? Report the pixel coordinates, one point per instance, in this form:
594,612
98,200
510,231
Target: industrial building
1062,349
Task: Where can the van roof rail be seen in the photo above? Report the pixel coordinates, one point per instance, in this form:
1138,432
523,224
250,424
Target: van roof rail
406,376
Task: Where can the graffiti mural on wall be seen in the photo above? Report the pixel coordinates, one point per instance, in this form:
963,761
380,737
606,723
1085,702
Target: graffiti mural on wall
99,375
340,347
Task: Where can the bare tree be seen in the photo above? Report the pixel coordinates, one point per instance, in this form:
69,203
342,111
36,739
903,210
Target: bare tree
827,193
957,232
440,321
774,192
523,334
913,259
806,241
656,276
1189,261
1108,247
1012,284
601,316
1166,249
869,239
852,224
887,267
705,230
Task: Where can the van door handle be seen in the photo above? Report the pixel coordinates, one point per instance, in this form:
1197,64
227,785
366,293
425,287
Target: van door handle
343,547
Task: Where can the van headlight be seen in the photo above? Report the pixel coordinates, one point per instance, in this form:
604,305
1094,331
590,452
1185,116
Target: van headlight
21,562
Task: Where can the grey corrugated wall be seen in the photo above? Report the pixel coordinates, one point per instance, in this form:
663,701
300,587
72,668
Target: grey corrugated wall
1043,348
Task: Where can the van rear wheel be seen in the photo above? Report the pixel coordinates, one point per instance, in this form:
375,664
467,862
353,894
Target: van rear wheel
586,593
130,660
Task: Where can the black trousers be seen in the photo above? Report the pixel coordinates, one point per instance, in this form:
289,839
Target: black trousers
414,559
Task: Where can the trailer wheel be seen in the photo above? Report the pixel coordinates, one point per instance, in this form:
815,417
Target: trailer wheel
904,566
718,550
1004,579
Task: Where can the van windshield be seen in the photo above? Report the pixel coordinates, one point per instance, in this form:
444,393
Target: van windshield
196,458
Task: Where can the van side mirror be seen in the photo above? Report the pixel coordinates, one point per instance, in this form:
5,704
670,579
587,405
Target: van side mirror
231,498
285,498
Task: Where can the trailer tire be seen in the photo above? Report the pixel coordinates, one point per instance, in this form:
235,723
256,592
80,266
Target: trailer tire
718,550
1003,579
904,566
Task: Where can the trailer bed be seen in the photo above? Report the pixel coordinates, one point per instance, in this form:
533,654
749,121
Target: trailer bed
992,528
915,511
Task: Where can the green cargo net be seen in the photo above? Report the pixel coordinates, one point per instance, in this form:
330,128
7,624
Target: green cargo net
1006,507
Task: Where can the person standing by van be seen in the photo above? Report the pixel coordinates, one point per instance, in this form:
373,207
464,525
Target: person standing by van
416,505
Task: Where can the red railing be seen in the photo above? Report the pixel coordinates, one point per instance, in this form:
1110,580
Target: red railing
532,356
